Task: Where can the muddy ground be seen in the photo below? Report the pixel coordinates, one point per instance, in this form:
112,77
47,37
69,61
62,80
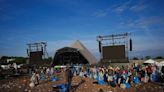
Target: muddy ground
79,84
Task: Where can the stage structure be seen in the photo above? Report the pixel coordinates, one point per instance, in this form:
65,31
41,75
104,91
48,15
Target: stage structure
36,52
75,54
114,48
69,55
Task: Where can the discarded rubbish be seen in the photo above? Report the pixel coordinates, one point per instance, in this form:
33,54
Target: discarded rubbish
54,79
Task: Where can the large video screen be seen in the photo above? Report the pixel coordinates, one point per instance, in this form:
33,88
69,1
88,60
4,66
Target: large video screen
36,56
114,52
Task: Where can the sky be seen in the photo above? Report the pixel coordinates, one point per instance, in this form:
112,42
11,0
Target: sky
61,22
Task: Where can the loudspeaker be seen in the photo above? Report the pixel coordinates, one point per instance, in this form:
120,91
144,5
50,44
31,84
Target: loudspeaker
100,46
27,52
42,51
130,44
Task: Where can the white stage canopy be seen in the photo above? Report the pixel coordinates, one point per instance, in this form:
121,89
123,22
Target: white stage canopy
150,61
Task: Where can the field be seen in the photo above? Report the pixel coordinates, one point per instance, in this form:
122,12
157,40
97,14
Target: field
79,84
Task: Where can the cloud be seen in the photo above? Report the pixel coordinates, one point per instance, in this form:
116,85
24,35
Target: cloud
101,13
149,21
130,6
142,43
145,46
137,8
142,29
142,23
120,8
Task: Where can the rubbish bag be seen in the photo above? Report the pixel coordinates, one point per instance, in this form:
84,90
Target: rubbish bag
154,78
112,83
60,88
100,81
32,84
54,79
127,85
63,88
136,80
42,77
122,85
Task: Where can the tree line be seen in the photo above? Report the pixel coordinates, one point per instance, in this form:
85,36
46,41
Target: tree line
148,57
18,60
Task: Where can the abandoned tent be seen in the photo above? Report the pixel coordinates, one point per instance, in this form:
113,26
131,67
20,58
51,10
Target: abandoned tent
76,54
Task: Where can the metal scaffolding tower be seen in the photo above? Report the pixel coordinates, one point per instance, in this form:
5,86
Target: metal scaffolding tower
112,40
37,52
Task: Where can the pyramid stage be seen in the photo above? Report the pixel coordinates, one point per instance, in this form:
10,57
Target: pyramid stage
75,54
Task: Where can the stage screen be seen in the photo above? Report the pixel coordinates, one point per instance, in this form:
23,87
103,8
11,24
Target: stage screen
36,56
114,52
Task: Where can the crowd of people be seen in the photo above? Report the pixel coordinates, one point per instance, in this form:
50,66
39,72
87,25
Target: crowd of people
124,76
41,73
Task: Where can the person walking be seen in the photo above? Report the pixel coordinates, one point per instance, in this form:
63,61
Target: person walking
69,75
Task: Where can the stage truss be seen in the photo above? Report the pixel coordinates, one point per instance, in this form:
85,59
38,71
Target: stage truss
36,47
112,40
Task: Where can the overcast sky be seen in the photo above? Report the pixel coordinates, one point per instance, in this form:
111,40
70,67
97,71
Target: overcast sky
61,22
